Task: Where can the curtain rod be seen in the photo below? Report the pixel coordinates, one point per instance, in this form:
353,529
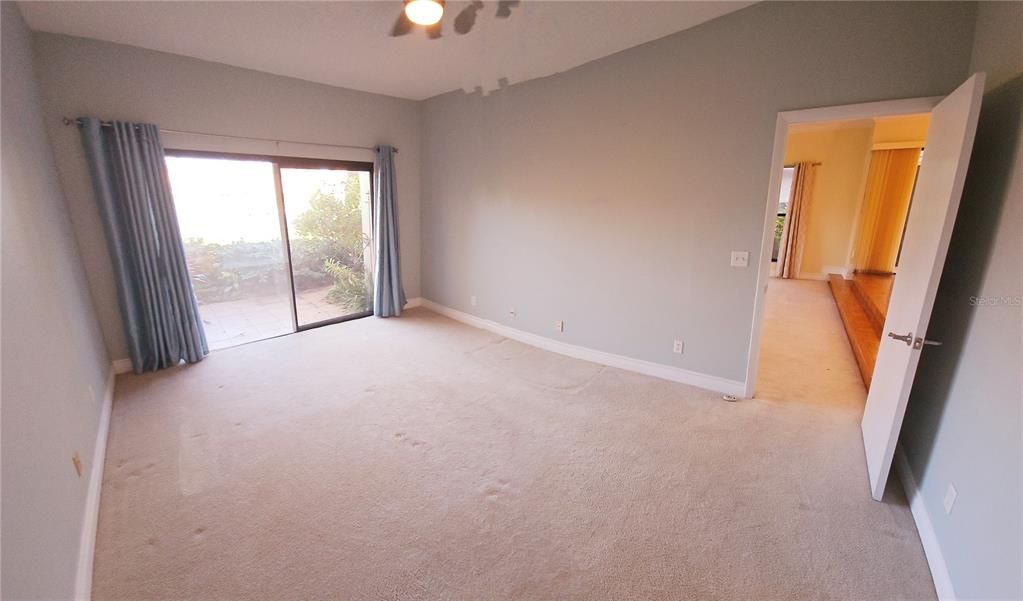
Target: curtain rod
78,122
817,164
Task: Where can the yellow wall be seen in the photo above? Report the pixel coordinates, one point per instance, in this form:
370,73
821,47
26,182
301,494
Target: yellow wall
908,128
844,153
843,148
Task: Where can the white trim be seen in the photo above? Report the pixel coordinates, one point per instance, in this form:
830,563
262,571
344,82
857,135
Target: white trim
928,538
785,119
845,272
649,368
121,366
412,303
90,519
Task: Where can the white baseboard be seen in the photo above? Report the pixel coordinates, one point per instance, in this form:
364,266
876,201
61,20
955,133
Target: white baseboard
935,559
842,270
845,272
658,370
87,542
414,302
122,366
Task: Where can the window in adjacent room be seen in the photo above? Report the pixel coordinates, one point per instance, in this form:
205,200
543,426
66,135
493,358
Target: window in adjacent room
783,207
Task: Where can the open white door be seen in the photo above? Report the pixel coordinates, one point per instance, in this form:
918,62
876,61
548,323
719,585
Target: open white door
928,230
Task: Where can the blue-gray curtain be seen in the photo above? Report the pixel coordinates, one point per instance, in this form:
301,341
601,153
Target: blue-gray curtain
388,294
158,306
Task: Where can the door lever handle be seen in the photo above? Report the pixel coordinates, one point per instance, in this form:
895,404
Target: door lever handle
921,342
907,338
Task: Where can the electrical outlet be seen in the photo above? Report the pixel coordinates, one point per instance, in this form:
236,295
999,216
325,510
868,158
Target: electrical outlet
511,311
950,498
678,347
740,258
472,300
559,326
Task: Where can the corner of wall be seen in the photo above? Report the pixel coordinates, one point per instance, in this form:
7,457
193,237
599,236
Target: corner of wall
90,517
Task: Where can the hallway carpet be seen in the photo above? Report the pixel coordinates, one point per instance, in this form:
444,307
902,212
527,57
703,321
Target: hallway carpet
421,459
805,356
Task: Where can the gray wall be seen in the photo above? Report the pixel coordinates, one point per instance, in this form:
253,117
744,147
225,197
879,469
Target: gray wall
608,196
87,77
964,423
611,195
55,366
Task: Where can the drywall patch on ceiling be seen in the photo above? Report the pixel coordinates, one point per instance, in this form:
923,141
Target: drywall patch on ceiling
347,44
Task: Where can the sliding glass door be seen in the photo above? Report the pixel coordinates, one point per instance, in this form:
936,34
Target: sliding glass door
274,245
328,215
229,220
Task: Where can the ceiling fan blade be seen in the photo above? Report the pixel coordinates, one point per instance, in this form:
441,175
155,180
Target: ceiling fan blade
402,25
467,17
433,31
504,8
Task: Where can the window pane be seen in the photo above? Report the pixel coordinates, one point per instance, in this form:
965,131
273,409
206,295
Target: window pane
230,225
328,212
783,208
786,189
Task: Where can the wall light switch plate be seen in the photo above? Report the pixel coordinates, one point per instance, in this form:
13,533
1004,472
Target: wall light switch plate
559,326
950,498
472,300
678,347
740,258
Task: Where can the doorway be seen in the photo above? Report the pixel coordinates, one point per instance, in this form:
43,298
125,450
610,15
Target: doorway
274,245
846,188
928,228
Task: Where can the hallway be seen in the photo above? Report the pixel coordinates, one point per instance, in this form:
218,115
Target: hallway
805,355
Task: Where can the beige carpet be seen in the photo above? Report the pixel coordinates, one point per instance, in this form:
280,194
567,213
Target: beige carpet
422,459
805,354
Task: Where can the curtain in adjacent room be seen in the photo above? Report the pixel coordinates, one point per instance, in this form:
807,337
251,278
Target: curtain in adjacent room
793,235
158,307
890,182
388,294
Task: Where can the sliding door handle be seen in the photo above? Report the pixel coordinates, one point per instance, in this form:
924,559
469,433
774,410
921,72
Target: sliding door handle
907,338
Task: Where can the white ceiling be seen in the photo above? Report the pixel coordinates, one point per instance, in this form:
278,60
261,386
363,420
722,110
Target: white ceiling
347,44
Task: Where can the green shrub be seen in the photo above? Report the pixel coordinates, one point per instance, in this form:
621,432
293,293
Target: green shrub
349,287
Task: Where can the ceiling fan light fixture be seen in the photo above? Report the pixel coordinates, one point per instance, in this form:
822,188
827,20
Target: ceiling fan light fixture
424,12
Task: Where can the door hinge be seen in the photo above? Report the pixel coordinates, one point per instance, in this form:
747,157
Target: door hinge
919,342
907,338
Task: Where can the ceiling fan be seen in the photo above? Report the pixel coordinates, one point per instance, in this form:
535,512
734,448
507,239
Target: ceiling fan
428,13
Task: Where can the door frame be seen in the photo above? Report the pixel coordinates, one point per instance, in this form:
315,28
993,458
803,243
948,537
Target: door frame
866,110
292,162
